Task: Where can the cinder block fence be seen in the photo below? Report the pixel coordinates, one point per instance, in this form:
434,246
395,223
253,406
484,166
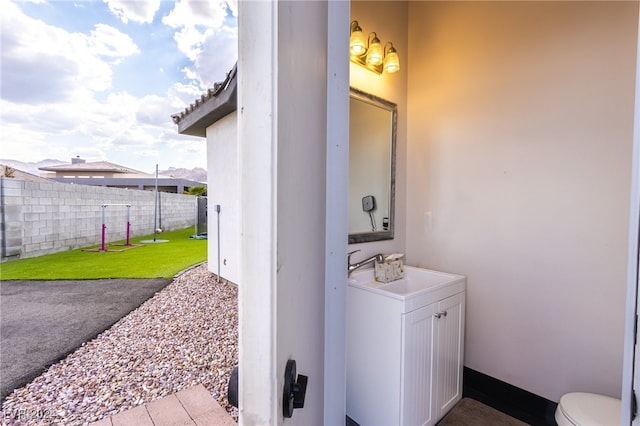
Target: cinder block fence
38,218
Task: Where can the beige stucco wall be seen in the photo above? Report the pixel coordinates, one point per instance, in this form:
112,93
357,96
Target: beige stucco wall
519,143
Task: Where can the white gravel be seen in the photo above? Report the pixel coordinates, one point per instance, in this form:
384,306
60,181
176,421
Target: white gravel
186,334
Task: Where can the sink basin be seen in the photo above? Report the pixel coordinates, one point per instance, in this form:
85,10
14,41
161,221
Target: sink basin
419,286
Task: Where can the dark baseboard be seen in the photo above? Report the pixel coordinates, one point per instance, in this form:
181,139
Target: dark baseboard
519,403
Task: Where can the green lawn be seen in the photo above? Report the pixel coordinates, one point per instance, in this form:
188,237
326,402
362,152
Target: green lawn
151,260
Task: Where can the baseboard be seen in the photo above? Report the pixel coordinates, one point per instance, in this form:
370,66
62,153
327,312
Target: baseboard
519,403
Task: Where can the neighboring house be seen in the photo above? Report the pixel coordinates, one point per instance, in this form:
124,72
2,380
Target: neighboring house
13,173
515,146
103,173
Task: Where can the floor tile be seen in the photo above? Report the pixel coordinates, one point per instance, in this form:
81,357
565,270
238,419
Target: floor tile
136,416
192,406
168,412
196,400
215,417
103,422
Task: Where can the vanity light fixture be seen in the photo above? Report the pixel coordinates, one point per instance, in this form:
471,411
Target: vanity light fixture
357,42
375,55
391,61
370,53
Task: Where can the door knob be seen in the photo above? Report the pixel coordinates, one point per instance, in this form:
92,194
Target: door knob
295,388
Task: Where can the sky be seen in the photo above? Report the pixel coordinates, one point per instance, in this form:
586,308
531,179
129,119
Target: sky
100,79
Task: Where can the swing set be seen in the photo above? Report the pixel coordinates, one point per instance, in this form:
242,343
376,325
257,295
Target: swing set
127,244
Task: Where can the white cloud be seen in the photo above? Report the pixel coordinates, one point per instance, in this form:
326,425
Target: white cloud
205,38
190,39
219,53
108,41
141,11
56,100
44,64
180,95
153,111
188,13
135,132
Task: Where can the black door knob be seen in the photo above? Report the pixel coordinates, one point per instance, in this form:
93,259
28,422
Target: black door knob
295,388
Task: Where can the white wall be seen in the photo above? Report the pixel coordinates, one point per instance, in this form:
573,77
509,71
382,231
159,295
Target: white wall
223,187
631,363
519,138
337,176
282,129
388,19
301,159
258,385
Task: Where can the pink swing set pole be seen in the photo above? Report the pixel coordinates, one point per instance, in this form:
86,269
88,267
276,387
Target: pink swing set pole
104,225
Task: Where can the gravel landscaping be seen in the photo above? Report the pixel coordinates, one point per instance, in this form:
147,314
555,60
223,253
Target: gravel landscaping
186,334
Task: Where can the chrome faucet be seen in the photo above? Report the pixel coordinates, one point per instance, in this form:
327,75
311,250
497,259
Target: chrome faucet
353,266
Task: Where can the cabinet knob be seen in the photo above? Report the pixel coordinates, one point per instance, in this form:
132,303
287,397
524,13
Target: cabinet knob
441,314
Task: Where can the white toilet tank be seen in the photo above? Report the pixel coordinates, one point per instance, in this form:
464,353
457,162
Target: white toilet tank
588,409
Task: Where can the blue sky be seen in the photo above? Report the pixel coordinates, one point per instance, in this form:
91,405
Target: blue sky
100,79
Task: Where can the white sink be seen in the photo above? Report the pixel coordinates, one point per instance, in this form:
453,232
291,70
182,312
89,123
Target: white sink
419,287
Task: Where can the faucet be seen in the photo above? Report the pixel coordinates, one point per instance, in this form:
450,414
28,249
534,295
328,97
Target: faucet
353,266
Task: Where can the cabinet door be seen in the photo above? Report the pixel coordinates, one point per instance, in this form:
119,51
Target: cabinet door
417,407
449,350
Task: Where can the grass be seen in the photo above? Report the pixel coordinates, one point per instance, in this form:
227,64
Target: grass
154,260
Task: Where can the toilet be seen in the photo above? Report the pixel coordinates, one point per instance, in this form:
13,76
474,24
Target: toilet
588,409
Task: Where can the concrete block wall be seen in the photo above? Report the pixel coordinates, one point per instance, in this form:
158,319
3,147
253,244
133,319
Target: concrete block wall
38,218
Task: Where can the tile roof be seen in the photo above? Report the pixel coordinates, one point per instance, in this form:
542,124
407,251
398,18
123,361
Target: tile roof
209,108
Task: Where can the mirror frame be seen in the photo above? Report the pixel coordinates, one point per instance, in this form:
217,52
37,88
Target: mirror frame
366,237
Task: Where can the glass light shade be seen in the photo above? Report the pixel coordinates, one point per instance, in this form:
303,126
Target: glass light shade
391,61
375,54
357,43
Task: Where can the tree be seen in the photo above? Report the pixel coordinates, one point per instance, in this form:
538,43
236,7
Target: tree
200,190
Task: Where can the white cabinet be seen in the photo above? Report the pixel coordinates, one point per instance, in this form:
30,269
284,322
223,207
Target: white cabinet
404,363
432,360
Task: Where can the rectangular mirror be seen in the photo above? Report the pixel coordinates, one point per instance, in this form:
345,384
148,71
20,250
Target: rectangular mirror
372,167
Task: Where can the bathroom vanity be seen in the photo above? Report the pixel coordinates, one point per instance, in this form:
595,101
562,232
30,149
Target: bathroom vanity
405,345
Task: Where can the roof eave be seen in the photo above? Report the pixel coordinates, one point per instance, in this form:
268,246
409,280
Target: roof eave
212,110
87,170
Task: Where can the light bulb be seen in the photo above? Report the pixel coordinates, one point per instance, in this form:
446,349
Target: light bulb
374,54
391,61
357,42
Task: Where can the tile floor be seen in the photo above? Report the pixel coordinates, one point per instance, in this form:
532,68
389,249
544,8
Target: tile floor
192,406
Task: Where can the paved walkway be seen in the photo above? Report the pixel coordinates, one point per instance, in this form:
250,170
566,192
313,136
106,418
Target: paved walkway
192,406
41,322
